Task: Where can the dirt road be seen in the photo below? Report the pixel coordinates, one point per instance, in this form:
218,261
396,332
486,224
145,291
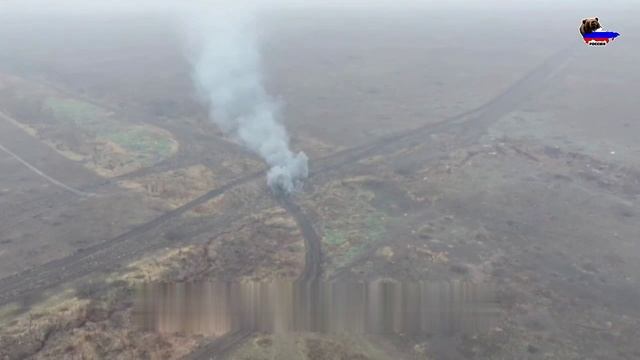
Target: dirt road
468,126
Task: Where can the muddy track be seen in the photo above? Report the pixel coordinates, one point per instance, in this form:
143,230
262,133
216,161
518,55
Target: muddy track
323,164
475,123
221,346
76,265
313,246
468,125
15,286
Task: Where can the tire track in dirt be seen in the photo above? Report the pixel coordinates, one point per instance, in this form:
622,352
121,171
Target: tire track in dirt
485,115
468,126
313,245
469,129
10,286
79,264
74,266
333,161
45,176
488,114
221,346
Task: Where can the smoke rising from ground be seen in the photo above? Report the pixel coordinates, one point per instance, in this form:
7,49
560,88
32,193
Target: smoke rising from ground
227,72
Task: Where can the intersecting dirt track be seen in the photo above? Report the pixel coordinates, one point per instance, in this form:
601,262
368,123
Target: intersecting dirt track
99,257
467,127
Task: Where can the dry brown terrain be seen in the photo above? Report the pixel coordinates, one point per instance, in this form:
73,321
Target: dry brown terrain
432,159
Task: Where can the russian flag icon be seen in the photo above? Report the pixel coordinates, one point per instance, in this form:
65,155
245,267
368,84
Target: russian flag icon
599,37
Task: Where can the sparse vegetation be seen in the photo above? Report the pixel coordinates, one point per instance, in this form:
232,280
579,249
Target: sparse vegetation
77,112
86,132
145,146
353,225
537,192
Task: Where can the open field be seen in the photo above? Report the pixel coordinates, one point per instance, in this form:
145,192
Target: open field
429,162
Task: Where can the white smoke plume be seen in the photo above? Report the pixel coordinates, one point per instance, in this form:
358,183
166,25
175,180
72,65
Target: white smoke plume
227,71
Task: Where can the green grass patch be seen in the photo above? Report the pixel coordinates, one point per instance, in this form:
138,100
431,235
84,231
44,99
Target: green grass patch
352,253
375,226
144,145
75,111
361,227
373,231
334,237
104,142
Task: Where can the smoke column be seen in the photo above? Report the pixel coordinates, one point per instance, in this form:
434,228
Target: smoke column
227,72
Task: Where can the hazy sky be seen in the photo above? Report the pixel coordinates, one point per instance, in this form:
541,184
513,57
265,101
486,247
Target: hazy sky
144,6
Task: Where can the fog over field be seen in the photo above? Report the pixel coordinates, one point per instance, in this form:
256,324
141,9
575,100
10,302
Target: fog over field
318,180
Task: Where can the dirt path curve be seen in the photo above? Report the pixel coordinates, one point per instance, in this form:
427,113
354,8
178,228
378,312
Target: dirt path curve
468,126
470,123
221,346
313,245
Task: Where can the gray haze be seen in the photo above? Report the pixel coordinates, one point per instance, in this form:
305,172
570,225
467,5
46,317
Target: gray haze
452,142
75,7
228,73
